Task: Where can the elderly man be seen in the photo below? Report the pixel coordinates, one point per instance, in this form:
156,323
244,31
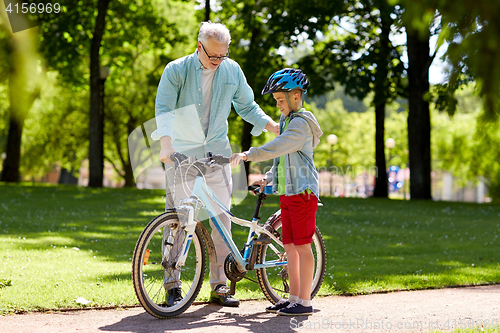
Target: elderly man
192,106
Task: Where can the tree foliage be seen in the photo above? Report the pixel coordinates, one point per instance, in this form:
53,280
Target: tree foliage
56,130
465,145
357,51
5,50
258,30
351,49
139,41
254,46
138,48
472,31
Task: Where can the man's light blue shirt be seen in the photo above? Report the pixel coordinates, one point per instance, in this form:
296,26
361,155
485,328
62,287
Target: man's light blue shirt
179,112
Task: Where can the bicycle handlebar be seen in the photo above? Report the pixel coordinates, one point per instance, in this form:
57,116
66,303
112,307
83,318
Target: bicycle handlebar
253,188
179,158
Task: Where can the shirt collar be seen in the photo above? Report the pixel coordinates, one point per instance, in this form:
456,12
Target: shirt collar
197,62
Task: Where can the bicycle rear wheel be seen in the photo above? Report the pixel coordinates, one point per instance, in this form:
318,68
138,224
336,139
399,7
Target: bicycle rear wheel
274,280
152,267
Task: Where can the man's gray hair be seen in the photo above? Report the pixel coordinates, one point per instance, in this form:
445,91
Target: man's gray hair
216,31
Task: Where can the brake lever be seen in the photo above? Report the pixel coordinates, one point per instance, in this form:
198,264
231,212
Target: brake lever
221,159
178,158
216,159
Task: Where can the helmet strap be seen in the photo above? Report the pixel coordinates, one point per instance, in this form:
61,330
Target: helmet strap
288,101
290,105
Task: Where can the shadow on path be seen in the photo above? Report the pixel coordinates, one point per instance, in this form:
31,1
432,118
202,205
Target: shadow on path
205,318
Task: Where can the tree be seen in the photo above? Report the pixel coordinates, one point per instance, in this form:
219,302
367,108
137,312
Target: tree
253,46
207,10
258,29
139,44
56,129
96,124
464,145
472,31
20,68
419,124
353,153
71,45
131,34
360,55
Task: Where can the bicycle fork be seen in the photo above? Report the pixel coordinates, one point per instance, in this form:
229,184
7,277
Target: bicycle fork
187,211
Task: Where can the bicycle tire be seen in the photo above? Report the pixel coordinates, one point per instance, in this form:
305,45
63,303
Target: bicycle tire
148,273
270,279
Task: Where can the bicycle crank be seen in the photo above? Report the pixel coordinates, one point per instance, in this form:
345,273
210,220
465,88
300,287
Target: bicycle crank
231,269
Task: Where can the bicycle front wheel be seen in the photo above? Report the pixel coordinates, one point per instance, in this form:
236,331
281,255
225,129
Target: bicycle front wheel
153,272
274,280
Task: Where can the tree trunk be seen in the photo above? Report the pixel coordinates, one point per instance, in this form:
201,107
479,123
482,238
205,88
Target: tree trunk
207,10
96,126
381,184
129,175
380,99
419,124
21,102
10,171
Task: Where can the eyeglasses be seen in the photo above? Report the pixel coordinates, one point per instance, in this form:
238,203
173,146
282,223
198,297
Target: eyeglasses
212,58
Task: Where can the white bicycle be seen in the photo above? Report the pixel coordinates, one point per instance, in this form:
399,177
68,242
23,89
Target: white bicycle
263,251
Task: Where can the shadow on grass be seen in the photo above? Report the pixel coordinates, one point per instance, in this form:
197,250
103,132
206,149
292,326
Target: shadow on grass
106,221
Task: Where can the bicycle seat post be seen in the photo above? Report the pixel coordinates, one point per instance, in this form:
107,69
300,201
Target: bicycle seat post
256,213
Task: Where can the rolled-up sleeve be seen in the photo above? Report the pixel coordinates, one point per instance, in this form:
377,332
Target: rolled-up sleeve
246,107
166,99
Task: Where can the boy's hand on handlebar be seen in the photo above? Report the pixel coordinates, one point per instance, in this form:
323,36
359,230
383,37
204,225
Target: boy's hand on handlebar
236,158
262,183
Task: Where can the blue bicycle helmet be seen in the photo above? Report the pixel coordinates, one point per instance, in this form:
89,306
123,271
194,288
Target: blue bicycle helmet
286,80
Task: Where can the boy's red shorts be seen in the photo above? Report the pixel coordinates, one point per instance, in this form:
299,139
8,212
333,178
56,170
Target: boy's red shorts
298,218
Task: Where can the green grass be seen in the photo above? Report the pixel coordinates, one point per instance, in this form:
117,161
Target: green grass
61,243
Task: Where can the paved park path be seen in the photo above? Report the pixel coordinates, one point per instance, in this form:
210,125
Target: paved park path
410,311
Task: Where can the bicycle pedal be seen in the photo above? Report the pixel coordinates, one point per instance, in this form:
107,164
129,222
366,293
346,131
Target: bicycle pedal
262,241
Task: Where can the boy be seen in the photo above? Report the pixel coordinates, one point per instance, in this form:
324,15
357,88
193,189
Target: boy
295,178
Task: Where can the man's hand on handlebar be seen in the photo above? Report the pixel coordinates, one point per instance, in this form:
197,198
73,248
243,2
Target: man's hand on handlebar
165,154
166,150
236,158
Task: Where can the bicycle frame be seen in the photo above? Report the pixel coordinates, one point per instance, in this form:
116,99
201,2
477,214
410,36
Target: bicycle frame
202,193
